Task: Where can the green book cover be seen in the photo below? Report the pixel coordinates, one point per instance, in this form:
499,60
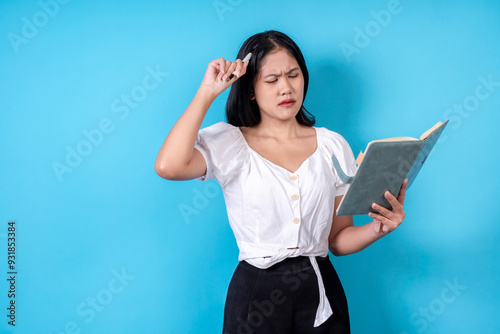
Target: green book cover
384,166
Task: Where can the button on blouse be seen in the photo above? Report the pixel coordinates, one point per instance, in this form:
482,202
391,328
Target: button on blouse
274,213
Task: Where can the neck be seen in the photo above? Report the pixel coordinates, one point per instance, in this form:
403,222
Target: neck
279,129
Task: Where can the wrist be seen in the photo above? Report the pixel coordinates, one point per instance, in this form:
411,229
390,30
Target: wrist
206,93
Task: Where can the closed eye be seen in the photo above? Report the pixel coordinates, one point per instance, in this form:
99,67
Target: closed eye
291,76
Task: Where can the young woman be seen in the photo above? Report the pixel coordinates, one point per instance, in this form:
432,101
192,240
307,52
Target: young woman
280,188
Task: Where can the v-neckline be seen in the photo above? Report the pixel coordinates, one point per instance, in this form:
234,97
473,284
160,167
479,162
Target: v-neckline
276,165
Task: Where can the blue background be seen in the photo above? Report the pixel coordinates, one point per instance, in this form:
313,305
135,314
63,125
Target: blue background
66,70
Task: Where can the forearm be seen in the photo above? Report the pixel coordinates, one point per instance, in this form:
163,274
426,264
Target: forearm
352,239
177,148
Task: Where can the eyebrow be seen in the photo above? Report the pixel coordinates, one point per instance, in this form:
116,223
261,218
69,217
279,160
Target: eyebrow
277,75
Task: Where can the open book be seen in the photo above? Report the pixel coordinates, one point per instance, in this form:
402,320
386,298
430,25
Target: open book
384,166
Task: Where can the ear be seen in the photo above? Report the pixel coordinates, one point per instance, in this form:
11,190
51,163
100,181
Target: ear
251,95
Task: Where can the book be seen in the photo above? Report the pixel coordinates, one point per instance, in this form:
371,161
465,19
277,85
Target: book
385,164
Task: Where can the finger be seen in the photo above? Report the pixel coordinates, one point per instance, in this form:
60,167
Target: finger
383,211
227,70
227,66
239,71
397,213
220,66
239,67
385,228
402,192
377,216
230,72
394,216
392,200
384,220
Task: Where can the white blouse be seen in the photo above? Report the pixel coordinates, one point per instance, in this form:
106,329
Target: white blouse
274,213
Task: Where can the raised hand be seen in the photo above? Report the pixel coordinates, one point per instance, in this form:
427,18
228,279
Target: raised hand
217,77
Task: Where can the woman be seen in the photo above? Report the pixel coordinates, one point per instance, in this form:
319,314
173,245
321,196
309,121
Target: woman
280,188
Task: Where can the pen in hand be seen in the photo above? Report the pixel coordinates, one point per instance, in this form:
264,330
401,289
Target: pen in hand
247,58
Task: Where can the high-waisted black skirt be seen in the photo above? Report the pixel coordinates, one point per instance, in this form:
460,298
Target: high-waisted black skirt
283,299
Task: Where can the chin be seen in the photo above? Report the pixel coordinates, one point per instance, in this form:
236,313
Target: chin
288,117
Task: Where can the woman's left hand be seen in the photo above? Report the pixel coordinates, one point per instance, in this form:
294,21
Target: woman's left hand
388,220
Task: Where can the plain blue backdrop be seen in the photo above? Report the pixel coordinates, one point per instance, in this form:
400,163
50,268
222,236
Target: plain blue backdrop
103,245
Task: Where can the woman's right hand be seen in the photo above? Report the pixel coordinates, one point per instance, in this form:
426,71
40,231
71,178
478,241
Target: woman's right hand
218,71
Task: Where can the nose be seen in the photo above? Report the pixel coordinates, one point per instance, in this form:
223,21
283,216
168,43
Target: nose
286,87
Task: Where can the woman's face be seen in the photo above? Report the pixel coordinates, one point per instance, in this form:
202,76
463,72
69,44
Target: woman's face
279,86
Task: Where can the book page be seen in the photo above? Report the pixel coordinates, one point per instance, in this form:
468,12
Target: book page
360,157
426,134
430,131
390,139
394,139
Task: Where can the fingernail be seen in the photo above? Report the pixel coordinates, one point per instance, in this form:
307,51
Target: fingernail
374,205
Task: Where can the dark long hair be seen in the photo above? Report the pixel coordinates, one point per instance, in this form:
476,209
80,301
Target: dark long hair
240,110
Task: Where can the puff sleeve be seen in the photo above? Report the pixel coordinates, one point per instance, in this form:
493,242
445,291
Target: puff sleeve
337,145
220,149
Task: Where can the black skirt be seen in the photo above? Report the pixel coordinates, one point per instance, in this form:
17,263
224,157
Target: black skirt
283,299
